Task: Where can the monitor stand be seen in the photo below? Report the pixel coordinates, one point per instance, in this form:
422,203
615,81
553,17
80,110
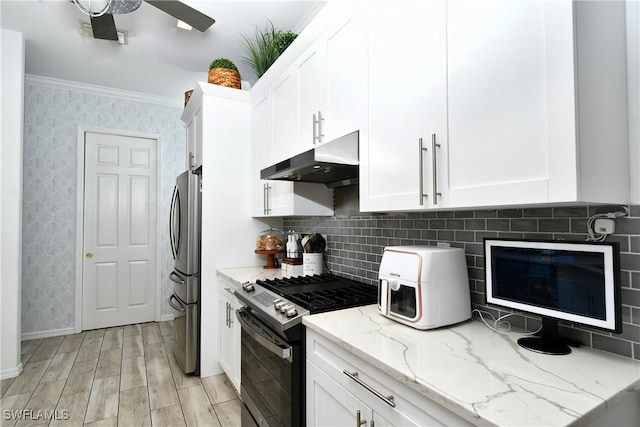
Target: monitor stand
547,341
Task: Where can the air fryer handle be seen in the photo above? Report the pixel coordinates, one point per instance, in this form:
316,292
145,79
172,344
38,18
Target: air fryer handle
383,296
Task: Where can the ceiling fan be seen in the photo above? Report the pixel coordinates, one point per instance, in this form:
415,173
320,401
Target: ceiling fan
104,26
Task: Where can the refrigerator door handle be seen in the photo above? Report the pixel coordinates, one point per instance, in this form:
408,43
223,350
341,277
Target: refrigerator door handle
174,214
176,279
178,307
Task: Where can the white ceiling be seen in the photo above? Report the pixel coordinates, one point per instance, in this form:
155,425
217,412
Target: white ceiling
160,59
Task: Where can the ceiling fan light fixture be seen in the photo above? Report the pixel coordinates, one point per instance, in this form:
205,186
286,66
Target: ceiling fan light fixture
184,25
85,7
87,30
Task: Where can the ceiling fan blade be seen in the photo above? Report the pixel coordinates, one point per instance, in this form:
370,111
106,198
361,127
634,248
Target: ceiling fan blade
181,11
104,27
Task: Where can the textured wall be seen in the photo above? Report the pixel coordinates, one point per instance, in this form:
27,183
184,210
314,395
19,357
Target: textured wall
52,117
356,242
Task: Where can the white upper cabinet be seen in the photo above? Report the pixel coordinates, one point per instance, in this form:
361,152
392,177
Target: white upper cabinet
319,96
531,104
530,109
270,134
332,79
311,82
194,136
407,105
283,117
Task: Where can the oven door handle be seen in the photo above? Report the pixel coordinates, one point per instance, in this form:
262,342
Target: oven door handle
283,352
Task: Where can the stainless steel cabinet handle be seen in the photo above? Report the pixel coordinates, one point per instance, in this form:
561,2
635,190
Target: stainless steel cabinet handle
320,132
317,121
269,187
386,399
266,194
421,151
314,129
359,420
264,199
434,161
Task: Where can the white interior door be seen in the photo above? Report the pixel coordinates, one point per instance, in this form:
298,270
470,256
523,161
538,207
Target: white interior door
120,230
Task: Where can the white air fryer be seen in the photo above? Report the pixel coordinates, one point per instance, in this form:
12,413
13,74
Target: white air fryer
424,287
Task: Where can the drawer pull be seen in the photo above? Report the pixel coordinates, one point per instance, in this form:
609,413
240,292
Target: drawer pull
386,399
359,420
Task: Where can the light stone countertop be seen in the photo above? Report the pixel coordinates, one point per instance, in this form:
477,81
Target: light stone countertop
484,376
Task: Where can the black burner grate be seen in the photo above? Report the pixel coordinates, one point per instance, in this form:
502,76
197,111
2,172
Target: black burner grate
321,293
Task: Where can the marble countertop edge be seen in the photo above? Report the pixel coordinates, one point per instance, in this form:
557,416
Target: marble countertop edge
581,400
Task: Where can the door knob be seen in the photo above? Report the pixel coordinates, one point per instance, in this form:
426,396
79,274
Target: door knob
89,255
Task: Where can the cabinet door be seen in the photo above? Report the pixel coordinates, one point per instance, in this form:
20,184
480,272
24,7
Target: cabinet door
227,345
346,77
194,141
197,154
269,198
330,404
407,104
283,118
191,142
510,100
310,81
260,152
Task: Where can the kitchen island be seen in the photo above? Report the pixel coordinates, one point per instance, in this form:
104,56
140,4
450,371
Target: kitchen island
469,373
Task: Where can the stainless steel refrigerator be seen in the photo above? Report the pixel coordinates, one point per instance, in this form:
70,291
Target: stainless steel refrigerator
184,234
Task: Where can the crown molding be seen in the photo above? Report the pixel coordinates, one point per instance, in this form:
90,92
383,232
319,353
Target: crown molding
101,90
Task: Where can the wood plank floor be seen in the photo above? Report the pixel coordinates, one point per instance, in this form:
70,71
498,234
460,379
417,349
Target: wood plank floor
122,376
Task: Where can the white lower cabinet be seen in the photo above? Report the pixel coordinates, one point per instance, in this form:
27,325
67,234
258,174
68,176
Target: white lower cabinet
330,404
343,390
229,358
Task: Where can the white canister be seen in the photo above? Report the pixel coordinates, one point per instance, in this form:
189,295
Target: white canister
311,263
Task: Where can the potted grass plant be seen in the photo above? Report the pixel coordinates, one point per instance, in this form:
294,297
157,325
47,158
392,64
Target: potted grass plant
266,46
224,72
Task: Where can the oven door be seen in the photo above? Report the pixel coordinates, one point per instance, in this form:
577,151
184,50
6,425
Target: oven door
272,374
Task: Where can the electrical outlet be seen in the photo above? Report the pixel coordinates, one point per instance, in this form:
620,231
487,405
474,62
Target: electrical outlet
604,226
444,244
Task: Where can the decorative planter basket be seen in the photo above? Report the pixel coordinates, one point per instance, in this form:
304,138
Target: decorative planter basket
187,95
224,77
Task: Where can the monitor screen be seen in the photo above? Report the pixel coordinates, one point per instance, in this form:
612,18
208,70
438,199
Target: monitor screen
573,281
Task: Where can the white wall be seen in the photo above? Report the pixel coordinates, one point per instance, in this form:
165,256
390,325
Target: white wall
633,80
12,77
53,111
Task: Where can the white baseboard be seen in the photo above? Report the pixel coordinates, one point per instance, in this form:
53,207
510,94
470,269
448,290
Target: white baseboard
69,331
11,372
47,334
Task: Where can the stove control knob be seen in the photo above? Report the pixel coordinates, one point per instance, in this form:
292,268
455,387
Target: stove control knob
286,307
277,303
292,312
247,287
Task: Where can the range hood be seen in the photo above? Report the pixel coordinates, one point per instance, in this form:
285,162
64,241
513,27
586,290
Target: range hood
334,163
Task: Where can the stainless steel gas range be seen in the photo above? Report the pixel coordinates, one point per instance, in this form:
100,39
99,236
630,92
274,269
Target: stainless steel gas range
272,341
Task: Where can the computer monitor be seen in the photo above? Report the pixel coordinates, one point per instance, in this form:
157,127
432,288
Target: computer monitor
578,282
